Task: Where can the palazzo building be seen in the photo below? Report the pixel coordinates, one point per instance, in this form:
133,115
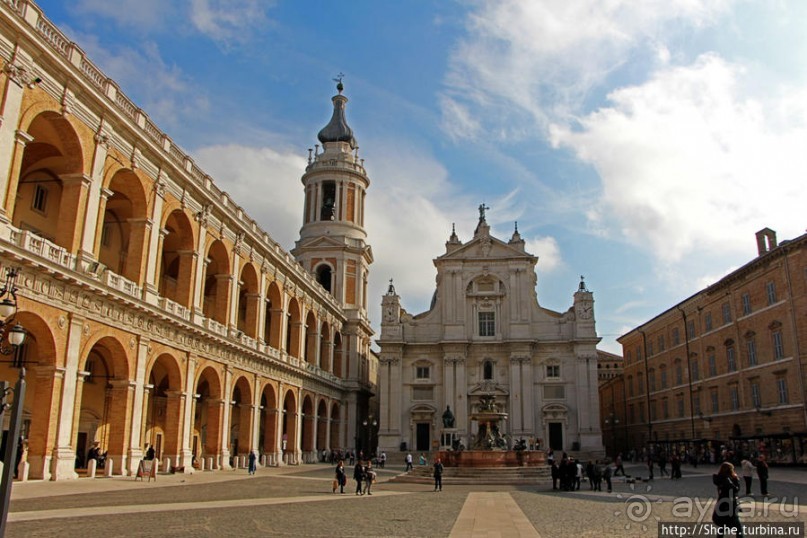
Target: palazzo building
157,311
485,335
725,366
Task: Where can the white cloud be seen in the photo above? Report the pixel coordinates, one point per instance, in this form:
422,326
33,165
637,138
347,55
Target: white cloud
544,57
548,252
143,14
264,182
228,21
689,163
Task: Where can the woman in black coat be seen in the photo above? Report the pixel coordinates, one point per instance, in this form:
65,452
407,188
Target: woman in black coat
726,514
358,476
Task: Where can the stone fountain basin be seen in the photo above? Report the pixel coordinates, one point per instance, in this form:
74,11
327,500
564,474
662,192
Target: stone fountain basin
493,458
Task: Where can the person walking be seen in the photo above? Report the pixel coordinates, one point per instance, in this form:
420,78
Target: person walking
620,468
408,461
253,463
341,477
748,474
607,476
726,513
762,474
369,478
358,476
438,475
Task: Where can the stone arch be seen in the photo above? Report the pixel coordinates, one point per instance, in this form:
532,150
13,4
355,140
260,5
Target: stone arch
322,426
177,257
336,426
208,415
267,441
38,355
289,427
240,434
311,338
325,347
48,194
294,328
248,301
125,227
338,355
273,321
309,425
216,290
106,399
164,407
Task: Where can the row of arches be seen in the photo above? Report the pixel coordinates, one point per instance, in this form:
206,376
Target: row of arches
194,411
106,210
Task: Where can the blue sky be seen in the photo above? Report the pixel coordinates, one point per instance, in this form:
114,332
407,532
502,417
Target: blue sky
638,143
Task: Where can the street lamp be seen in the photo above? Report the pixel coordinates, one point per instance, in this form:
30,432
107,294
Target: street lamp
370,423
15,335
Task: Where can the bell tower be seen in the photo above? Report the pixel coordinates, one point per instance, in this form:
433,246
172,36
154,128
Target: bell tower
332,244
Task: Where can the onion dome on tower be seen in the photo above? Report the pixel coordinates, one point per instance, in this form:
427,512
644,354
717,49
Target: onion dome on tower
337,129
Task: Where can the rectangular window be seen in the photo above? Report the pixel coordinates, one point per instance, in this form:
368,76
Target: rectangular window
663,378
665,408
696,404
653,410
422,372
751,347
715,401
40,201
680,405
781,385
746,304
630,386
676,338
631,414
553,370
726,313
691,329
422,393
651,380
640,383
707,321
650,349
731,360
756,400
712,365
696,374
661,344
641,413
554,392
735,398
487,324
679,374
778,346
770,289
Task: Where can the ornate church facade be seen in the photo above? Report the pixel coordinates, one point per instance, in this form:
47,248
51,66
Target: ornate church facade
157,311
486,345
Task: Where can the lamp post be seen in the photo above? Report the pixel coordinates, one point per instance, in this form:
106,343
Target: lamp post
370,423
16,336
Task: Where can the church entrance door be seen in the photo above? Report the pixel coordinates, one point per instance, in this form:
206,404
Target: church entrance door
556,436
422,441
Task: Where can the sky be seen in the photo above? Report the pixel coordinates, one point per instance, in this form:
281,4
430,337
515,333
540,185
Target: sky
640,143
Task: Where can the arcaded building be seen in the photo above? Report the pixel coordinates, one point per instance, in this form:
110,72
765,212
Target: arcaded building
485,335
724,367
158,312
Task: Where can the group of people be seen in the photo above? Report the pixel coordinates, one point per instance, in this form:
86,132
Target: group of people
363,474
568,474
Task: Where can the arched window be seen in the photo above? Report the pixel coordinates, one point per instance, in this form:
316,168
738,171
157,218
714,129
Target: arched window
324,277
487,370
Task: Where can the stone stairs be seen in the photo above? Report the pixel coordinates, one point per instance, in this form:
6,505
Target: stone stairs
422,474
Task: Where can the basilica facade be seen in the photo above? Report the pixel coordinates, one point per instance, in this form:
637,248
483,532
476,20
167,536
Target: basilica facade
486,346
158,313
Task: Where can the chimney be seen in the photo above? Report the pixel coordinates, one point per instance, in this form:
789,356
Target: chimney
766,240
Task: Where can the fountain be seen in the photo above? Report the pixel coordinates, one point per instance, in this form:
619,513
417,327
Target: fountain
489,448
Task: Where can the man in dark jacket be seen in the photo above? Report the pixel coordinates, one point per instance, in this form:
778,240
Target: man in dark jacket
358,476
438,475
762,474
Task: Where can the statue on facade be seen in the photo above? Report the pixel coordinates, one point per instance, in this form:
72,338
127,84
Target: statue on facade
448,418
